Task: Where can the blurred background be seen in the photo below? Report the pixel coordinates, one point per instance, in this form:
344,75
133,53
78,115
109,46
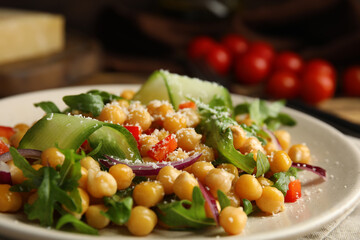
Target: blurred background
315,45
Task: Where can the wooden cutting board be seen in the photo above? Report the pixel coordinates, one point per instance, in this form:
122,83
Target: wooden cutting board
80,58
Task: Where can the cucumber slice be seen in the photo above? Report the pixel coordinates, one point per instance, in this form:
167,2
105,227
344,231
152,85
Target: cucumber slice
163,85
69,132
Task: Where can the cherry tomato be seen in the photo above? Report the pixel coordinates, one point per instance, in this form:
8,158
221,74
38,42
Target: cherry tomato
317,87
236,44
289,61
319,66
283,84
251,68
264,50
219,59
351,81
200,46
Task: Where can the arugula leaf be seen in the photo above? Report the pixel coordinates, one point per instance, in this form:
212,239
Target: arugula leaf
223,199
282,179
215,125
248,207
119,206
177,215
262,164
48,107
79,225
105,96
85,102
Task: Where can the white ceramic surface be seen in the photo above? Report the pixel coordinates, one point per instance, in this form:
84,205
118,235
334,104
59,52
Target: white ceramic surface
322,201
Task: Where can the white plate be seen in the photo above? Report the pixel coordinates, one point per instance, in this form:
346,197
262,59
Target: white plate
321,201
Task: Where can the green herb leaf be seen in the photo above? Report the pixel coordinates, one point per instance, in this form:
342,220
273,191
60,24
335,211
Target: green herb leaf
119,207
79,225
262,164
185,214
223,199
105,96
282,179
85,102
248,207
48,107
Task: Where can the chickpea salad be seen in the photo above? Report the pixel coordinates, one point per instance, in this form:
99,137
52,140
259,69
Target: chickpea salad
174,155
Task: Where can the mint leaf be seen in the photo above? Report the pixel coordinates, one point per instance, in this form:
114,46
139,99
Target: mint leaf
282,179
79,225
262,164
48,107
85,102
223,199
119,207
185,214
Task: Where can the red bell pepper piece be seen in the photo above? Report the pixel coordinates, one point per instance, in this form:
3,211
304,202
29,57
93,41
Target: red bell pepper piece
6,132
134,130
160,150
3,147
294,192
149,131
187,105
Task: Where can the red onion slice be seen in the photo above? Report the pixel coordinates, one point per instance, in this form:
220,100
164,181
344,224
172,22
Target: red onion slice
5,176
209,198
273,138
148,169
26,153
317,170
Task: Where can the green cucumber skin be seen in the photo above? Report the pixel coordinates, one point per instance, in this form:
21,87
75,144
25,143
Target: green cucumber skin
69,132
176,89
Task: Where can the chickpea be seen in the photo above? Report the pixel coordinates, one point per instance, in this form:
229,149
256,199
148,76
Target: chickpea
52,157
9,201
148,194
90,163
177,155
251,144
207,153
188,139
112,113
85,200
284,138
174,122
230,169
166,177
142,221
271,200
300,153
160,134
264,182
101,184
146,142
184,185
219,179
239,136
140,117
22,127
37,166
123,175
233,220
159,109
17,175
123,103
248,187
201,169
270,147
16,138
235,201
94,217
84,178
127,94
280,162
191,115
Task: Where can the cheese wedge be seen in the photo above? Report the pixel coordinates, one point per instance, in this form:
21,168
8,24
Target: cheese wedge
26,34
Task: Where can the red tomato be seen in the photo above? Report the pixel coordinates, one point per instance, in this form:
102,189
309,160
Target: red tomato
264,50
251,68
187,105
219,59
200,46
3,147
294,192
289,61
351,81
317,87
283,84
319,66
6,132
236,44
